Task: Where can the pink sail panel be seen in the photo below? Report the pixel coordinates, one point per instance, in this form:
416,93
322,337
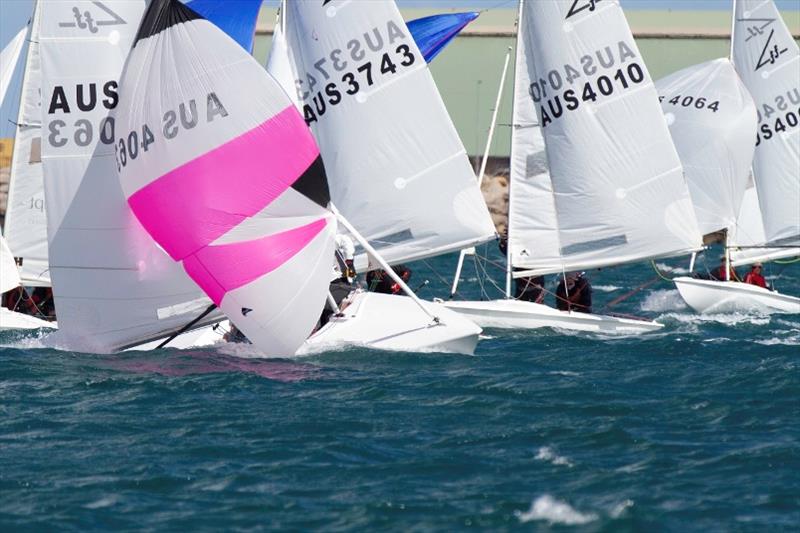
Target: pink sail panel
235,265
226,185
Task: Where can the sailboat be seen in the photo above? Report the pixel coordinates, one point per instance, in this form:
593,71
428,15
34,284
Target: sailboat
399,174
9,280
767,59
595,178
114,288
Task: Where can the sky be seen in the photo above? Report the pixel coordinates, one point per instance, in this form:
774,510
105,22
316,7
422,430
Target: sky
14,15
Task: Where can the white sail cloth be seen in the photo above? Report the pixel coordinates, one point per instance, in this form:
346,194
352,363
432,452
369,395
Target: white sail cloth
747,239
617,184
9,276
397,169
113,287
767,59
26,220
210,131
8,61
711,117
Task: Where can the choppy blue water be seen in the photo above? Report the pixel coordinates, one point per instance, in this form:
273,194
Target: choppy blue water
693,428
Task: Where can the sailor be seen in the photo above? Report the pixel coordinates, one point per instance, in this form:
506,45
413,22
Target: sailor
379,281
344,275
719,273
754,277
530,289
574,293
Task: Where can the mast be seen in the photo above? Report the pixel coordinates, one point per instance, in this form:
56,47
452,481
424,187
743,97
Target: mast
510,180
471,251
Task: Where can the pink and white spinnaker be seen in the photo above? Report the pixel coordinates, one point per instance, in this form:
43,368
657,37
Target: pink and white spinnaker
221,170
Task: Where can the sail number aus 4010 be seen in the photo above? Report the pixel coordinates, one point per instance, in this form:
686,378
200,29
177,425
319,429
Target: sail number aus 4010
696,102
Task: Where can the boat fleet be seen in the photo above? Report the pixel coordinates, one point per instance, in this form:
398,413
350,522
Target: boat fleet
189,190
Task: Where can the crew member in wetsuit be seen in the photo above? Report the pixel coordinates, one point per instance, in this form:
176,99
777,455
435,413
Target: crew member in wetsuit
344,274
530,289
719,273
379,281
754,277
574,293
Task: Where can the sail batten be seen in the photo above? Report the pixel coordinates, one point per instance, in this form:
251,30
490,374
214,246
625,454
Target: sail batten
599,182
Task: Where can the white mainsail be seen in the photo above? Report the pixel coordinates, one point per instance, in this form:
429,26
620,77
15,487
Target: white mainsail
712,118
8,61
618,189
113,286
397,169
767,59
26,220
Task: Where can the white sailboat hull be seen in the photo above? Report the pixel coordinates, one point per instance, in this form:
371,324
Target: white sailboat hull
389,322
706,296
10,320
516,314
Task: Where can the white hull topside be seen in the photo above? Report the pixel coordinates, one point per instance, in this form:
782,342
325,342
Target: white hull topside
708,296
391,322
517,314
10,320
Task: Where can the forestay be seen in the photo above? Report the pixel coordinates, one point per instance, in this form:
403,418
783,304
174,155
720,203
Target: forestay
618,186
223,173
397,169
9,276
113,287
711,117
768,61
26,220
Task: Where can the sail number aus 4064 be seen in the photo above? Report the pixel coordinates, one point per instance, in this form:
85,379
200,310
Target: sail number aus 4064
696,102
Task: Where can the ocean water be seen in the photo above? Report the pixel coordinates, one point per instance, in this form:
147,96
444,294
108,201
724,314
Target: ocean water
694,428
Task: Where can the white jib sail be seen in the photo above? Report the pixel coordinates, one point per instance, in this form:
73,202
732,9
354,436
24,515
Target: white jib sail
8,61
712,118
211,131
618,186
397,168
749,234
9,275
113,287
26,220
768,61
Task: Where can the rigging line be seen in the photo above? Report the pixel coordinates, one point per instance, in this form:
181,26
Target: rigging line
186,328
787,262
627,295
427,264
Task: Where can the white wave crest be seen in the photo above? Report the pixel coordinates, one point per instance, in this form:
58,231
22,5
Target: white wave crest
555,512
672,270
728,319
547,454
663,300
606,288
620,508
